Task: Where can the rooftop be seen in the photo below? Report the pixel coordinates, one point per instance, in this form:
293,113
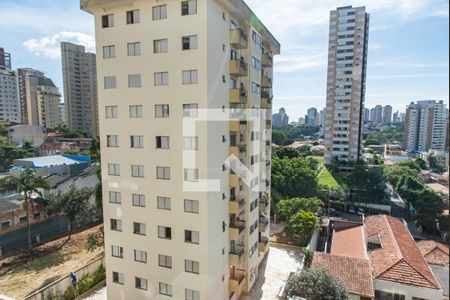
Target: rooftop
354,272
399,259
52,160
434,252
345,231
437,187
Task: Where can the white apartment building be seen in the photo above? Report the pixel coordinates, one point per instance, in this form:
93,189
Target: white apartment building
347,60
9,103
178,221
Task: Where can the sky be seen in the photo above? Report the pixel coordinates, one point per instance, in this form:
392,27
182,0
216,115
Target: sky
407,58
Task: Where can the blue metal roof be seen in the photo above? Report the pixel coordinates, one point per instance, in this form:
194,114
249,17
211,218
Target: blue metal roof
55,160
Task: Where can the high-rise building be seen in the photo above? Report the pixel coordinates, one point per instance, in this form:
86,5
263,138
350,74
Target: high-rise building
323,120
280,119
312,116
396,117
80,88
31,76
366,114
387,114
372,115
9,102
43,99
179,222
5,60
347,60
425,126
378,114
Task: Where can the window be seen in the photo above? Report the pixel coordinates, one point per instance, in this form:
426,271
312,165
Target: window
165,261
161,111
110,82
191,175
165,289
256,88
5,224
108,21
137,171
190,143
137,141
140,256
118,277
134,80
189,42
188,7
161,78
138,200
109,51
112,141
139,228
190,77
192,295
160,46
190,110
388,296
191,236
159,12
114,169
116,224
111,112
256,38
162,142
23,219
191,206
134,49
116,251
256,63
191,266
163,202
136,111
140,283
163,173
133,16
164,232
115,197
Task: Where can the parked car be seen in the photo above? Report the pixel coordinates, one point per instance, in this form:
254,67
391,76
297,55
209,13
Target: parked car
351,210
332,212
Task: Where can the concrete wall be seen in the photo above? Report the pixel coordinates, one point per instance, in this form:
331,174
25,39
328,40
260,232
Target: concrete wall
408,290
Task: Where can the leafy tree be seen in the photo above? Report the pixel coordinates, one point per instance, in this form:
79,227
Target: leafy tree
422,164
309,255
388,135
95,240
413,165
3,130
95,149
69,133
300,131
9,152
72,152
288,207
279,137
282,152
31,150
302,224
72,204
26,183
98,191
429,207
316,284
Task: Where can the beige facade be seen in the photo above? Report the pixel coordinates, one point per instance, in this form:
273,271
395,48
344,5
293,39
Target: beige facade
178,221
347,59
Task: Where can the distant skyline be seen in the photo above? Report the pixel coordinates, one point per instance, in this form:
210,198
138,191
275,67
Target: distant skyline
407,59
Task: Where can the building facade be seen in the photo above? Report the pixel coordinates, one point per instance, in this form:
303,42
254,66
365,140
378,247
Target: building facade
426,125
9,103
24,76
280,119
387,115
5,60
80,88
347,59
184,62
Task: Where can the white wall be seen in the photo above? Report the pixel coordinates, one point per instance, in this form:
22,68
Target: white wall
408,290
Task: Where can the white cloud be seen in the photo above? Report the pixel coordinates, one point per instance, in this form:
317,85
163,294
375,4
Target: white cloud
49,46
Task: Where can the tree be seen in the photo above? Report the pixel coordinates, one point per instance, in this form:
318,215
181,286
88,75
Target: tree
309,255
98,191
316,284
95,149
422,164
278,137
72,204
69,133
282,152
72,152
25,183
429,207
9,152
95,240
302,224
288,207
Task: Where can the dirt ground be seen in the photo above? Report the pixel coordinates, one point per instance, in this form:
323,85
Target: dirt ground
50,262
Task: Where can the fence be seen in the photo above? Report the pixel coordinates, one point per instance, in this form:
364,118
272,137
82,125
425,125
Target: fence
61,285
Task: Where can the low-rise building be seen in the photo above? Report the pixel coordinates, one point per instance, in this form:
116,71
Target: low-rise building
439,188
19,134
54,164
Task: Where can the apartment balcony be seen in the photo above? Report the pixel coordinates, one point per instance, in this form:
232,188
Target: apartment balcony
265,103
236,281
266,82
238,96
236,229
238,68
263,224
234,150
263,206
266,60
263,244
234,125
236,206
236,256
233,180
238,39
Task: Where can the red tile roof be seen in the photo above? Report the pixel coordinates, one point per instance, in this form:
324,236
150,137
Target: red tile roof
345,232
355,273
399,258
434,253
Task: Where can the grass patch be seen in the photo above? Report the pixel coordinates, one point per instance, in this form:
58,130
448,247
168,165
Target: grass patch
321,159
43,262
327,179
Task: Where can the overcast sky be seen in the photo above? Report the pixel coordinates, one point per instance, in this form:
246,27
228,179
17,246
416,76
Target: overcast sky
407,60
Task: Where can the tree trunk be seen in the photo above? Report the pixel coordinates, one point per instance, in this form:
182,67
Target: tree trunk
70,231
29,226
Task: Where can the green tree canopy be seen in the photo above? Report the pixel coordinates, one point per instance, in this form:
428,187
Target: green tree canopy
9,152
302,224
429,207
288,207
279,137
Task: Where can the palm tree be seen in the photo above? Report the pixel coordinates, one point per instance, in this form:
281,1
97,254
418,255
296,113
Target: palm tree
26,183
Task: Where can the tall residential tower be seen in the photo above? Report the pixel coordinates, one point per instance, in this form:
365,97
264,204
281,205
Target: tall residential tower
80,88
347,60
180,220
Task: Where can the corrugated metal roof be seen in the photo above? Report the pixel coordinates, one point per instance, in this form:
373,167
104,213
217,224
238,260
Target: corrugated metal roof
52,160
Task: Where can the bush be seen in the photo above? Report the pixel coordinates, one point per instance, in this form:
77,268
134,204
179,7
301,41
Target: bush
309,255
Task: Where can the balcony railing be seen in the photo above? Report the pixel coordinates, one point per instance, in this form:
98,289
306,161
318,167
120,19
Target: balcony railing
238,39
236,205
238,95
266,60
266,82
236,280
238,68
